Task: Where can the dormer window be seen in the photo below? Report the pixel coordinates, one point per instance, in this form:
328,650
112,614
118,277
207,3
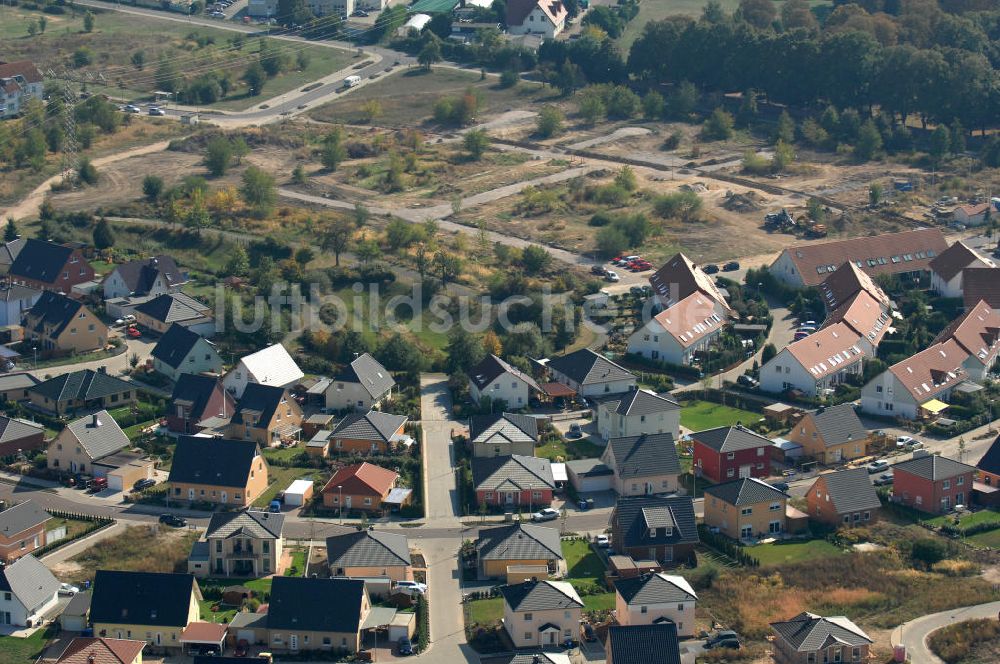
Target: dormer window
652,532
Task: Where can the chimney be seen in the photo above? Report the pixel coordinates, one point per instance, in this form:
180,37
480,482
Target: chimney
94,421
91,659
102,369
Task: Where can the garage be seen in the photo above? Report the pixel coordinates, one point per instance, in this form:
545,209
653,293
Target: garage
123,470
589,475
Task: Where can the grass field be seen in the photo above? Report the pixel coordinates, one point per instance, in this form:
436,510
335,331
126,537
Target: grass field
581,448
967,520
793,552
701,415
280,478
22,651
140,548
486,611
581,561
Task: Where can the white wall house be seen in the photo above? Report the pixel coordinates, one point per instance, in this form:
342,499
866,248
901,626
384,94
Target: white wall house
820,361
363,385
909,388
637,412
501,381
546,18
590,374
19,82
677,334
653,598
269,366
947,269
15,301
28,591
181,350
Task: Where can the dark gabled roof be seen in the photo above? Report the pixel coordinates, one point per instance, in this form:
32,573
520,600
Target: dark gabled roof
540,596
369,373
851,490
139,276
588,467
808,632
839,424
745,491
247,523
18,518
491,367
520,541
644,455
373,425
990,462
40,261
141,598
634,517
81,385
175,345
172,307
524,658
644,644
641,402
53,310
730,439
588,368
198,390
510,426
933,467
656,588
262,399
368,548
511,473
29,580
981,283
315,605
12,429
213,461
954,259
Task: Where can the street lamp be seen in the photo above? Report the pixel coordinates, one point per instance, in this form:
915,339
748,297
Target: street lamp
340,501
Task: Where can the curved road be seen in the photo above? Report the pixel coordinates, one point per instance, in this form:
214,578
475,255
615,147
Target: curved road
914,634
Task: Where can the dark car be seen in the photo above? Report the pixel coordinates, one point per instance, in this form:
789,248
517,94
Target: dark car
747,381
599,270
780,486
721,635
711,268
405,646
731,266
173,520
144,484
732,644
588,633
885,479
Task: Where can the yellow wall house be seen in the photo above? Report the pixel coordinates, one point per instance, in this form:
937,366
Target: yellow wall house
541,613
520,545
650,599
217,470
746,509
145,606
85,441
59,325
266,415
831,435
369,553
317,614
95,650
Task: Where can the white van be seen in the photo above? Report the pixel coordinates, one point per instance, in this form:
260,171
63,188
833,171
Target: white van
351,81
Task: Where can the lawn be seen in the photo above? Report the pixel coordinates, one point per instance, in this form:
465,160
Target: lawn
298,563
24,651
780,553
486,611
73,526
225,614
280,478
991,539
283,454
598,602
967,520
581,448
701,415
581,561
139,548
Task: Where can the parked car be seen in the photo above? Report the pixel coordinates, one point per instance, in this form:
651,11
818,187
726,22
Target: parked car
905,441
575,431
603,541
405,646
731,266
747,381
133,332
612,276
711,268
546,514
877,466
781,486
157,111
274,507
599,270
721,635
585,505
144,484
885,479
173,520
636,290
411,587
588,633
68,589
242,648
131,108
730,644
800,335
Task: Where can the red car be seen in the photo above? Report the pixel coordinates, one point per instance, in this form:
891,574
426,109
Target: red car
133,332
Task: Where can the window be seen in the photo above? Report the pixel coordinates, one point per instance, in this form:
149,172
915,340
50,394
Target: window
730,472
326,640
488,496
746,511
946,485
265,546
218,546
867,516
730,456
527,636
643,609
856,655
760,451
774,507
528,617
652,532
960,481
368,501
811,658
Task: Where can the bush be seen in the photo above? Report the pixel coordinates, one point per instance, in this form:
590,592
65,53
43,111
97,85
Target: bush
684,205
954,643
718,126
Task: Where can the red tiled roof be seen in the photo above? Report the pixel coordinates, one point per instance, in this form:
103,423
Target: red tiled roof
864,315
518,10
679,277
977,332
104,651
25,68
203,632
362,479
691,319
956,258
828,350
845,282
931,371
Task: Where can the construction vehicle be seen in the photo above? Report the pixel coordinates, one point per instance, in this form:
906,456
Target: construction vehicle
781,221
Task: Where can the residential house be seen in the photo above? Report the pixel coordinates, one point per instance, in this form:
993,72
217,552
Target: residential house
988,466
95,650
971,215
546,18
19,82
679,278
660,528
847,281
643,644
843,498
364,384
28,592
918,385
373,432
75,617
727,453
513,480
369,553
637,412
932,483
164,311
652,599
643,465
22,530
301,615
8,252
84,442
864,315
541,613
746,509
501,382
15,301
809,639
502,550
831,435
196,398
269,366
182,351
590,374
503,434
82,391
906,254
150,606
217,470
365,487
15,386
17,436
245,544
947,269
981,283
148,276
58,325
682,333
267,415
50,266
817,363
977,332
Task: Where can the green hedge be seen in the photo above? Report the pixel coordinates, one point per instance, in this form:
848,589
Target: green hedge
423,623
726,547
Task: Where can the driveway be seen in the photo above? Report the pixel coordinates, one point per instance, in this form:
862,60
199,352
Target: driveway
914,634
441,489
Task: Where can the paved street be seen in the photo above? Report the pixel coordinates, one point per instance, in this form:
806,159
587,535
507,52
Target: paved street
914,633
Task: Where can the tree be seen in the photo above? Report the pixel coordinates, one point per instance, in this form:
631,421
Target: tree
333,151
401,355
429,54
957,138
928,551
302,60
509,78
653,105
104,236
684,205
218,156
550,121
88,22
797,14
682,100
491,343
476,142
768,353
463,352
869,142
534,259
254,77
338,237
361,215
87,171
814,206
783,157
718,126
259,189
625,178
240,149
133,360
139,60
371,110
32,28
238,264
758,13
590,107
299,174
293,12
747,112
42,24
270,59
368,251
940,144
874,194
10,230
785,131
152,187
611,241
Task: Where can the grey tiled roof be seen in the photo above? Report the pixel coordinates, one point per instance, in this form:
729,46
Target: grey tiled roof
851,490
587,368
99,434
20,517
511,473
933,467
249,523
369,373
730,439
655,589
745,491
644,455
172,307
540,596
588,467
83,385
491,367
29,580
633,518
644,644
15,429
368,548
839,424
519,542
807,632
642,402
510,426
373,425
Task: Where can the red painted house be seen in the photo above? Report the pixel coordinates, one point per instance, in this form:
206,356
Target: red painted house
727,453
195,399
512,481
932,483
50,266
